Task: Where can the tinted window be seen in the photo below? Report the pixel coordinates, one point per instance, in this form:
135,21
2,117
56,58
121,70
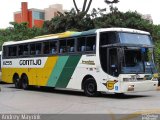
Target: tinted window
32,49
46,47
12,51
108,38
91,43
63,46
23,50
81,44
38,48
53,47
70,45
86,43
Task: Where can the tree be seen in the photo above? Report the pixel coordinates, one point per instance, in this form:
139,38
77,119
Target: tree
110,3
18,32
69,21
85,7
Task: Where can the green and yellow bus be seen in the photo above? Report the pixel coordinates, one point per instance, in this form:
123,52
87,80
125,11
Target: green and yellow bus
117,60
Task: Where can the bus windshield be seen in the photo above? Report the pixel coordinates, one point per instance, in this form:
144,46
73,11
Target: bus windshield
138,60
135,38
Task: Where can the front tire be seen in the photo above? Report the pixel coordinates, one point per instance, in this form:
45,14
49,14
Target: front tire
90,88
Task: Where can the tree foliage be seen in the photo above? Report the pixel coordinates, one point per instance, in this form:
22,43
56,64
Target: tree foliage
18,32
68,21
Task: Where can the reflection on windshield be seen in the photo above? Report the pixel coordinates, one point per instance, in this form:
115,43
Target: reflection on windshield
138,60
133,38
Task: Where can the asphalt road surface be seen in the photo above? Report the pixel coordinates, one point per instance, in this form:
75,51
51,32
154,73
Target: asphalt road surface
50,101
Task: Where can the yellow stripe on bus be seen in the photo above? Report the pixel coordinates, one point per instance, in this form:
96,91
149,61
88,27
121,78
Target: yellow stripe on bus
36,76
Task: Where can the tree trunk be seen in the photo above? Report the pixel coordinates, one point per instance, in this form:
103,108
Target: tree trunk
76,6
89,4
84,5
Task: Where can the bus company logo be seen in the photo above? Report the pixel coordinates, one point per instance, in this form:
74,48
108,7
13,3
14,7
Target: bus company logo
7,62
30,62
88,62
110,84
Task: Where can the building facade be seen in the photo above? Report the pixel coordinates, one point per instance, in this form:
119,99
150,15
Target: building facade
52,10
36,17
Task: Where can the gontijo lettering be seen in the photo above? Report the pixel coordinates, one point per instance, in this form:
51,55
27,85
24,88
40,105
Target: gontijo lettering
30,62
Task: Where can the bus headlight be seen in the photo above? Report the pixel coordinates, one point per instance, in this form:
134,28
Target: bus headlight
131,88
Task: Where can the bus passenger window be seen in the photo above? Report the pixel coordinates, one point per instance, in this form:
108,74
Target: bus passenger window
25,50
53,47
70,45
62,48
13,51
20,50
32,49
46,47
81,44
38,48
91,43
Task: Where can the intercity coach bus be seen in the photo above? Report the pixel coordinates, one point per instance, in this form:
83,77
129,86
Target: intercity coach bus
117,60
0,66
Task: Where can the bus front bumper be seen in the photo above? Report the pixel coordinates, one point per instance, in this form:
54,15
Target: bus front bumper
138,86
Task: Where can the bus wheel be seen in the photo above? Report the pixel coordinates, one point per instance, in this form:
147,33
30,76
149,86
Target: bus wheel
16,81
90,88
24,81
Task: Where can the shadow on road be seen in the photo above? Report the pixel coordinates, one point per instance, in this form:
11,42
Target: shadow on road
123,96
80,93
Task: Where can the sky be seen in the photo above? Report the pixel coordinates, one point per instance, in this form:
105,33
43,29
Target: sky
8,7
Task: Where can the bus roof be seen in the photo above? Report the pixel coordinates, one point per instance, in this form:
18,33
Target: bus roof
73,34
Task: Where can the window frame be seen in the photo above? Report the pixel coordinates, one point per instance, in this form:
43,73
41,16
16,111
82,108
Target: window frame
76,52
8,51
86,36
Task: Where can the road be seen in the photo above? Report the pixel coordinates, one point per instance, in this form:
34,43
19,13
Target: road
58,101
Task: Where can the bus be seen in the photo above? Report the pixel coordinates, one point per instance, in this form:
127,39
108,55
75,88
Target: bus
0,66
116,60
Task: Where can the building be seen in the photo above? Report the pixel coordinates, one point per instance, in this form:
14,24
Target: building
36,17
52,11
